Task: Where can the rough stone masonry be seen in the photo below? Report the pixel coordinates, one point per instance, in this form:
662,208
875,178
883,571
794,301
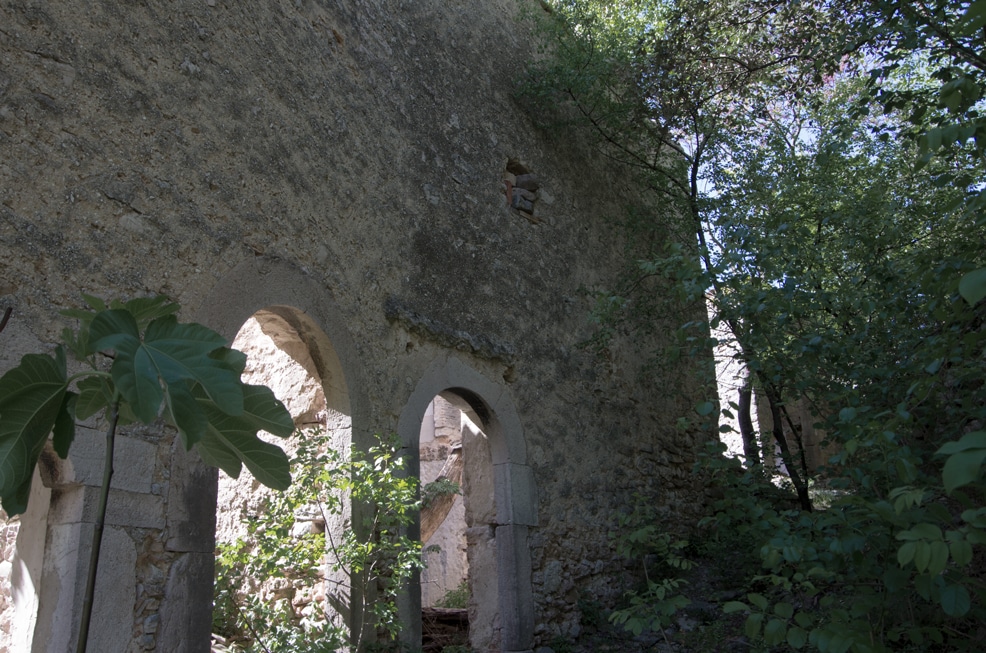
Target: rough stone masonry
357,168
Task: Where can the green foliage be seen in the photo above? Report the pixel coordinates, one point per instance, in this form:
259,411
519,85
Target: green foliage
374,553
457,598
183,373
828,160
435,489
638,537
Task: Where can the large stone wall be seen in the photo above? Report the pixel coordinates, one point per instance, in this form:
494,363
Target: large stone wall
350,164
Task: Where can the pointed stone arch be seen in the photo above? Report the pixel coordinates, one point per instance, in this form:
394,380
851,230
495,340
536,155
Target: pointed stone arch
489,405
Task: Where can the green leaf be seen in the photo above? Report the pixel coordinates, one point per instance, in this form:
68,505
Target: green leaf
95,394
974,18
32,397
183,411
95,303
905,554
922,531
63,432
961,551
939,558
922,555
169,353
147,309
735,606
796,637
752,626
705,408
962,468
758,600
955,600
774,632
15,503
238,434
972,286
232,359
784,610
266,412
972,440
214,451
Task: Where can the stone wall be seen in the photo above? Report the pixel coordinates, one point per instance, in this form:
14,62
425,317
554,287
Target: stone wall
345,165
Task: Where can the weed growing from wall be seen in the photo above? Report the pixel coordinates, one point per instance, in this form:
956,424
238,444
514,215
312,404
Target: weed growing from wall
660,555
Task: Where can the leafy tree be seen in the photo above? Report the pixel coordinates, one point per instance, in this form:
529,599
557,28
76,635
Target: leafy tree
664,85
139,364
826,159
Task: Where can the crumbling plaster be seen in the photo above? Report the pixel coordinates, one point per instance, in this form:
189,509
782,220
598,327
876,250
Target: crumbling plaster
344,159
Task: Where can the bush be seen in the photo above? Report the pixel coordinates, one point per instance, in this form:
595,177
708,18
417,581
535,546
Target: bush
375,554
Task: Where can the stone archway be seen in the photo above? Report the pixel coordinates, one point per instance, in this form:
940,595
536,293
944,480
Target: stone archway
499,557
308,309
289,354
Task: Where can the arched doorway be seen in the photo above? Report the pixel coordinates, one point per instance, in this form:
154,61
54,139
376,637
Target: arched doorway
307,306
457,517
501,499
288,353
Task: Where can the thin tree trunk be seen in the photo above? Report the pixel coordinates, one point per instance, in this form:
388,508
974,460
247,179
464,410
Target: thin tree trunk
751,449
799,484
439,507
97,533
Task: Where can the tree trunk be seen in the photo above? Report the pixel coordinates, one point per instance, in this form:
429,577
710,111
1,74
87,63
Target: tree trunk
799,484
751,450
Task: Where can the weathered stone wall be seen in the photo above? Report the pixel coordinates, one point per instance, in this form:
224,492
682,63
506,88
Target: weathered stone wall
347,159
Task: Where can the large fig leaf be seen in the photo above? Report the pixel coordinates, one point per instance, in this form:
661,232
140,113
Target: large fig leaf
183,412
147,309
266,412
143,310
229,436
32,399
63,433
170,353
215,452
95,394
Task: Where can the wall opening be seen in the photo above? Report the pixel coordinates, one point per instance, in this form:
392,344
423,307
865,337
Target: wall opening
287,352
458,583
500,504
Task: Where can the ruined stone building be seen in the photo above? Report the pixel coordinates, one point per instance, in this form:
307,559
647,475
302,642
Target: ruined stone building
358,176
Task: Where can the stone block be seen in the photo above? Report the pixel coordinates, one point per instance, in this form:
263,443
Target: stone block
133,461
521,203
183,628
513,579
66,564
191,503
528,182
81,503
516,494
